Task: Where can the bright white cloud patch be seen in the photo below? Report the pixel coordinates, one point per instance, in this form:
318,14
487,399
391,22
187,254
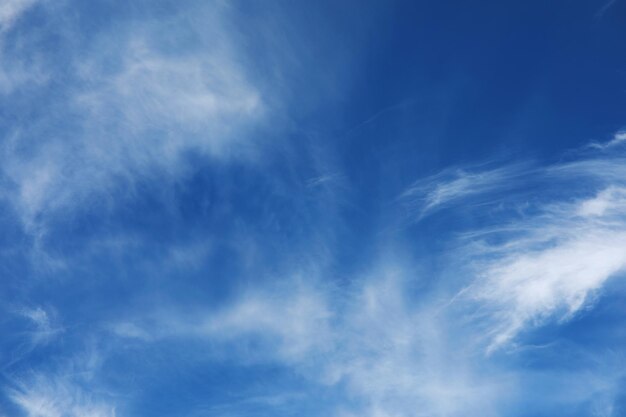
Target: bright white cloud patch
549,260
551,254
551,269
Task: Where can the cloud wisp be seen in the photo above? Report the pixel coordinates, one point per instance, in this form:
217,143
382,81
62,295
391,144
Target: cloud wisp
551,264
132,109
66,392
11,10
551,251
454,186
618,139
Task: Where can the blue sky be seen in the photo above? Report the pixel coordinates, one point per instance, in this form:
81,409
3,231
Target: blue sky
331,208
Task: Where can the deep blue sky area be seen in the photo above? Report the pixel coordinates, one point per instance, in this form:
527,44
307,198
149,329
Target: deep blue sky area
330,208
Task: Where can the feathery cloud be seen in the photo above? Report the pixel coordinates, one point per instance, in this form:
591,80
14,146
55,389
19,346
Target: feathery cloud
44,397
550,255
456,186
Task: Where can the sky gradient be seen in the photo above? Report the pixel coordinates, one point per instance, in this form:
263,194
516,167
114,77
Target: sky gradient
312,208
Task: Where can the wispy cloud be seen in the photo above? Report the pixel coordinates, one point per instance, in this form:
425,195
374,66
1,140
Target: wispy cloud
550,258
552,264
39,328
45,326
404,359
19,65
129,120
601,12
457,186
41,397
11,10
69,390
618,139
293,323
394,358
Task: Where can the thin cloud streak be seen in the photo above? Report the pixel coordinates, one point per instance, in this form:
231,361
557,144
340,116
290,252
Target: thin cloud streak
618,139
455,186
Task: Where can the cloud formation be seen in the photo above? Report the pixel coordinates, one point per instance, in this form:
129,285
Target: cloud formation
58,397
548,253
394,358
10,11
186,231
453,186
133,109
618,139
551,264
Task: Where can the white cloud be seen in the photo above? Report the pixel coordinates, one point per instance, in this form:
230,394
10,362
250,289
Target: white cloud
453,186
298,323
395,359
43,397
607,202
387,352
552,273
68,391
11,10
134,109
198,90
550,255
552,261
406,360
19,67
618,139
294,323
39,328
45,326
